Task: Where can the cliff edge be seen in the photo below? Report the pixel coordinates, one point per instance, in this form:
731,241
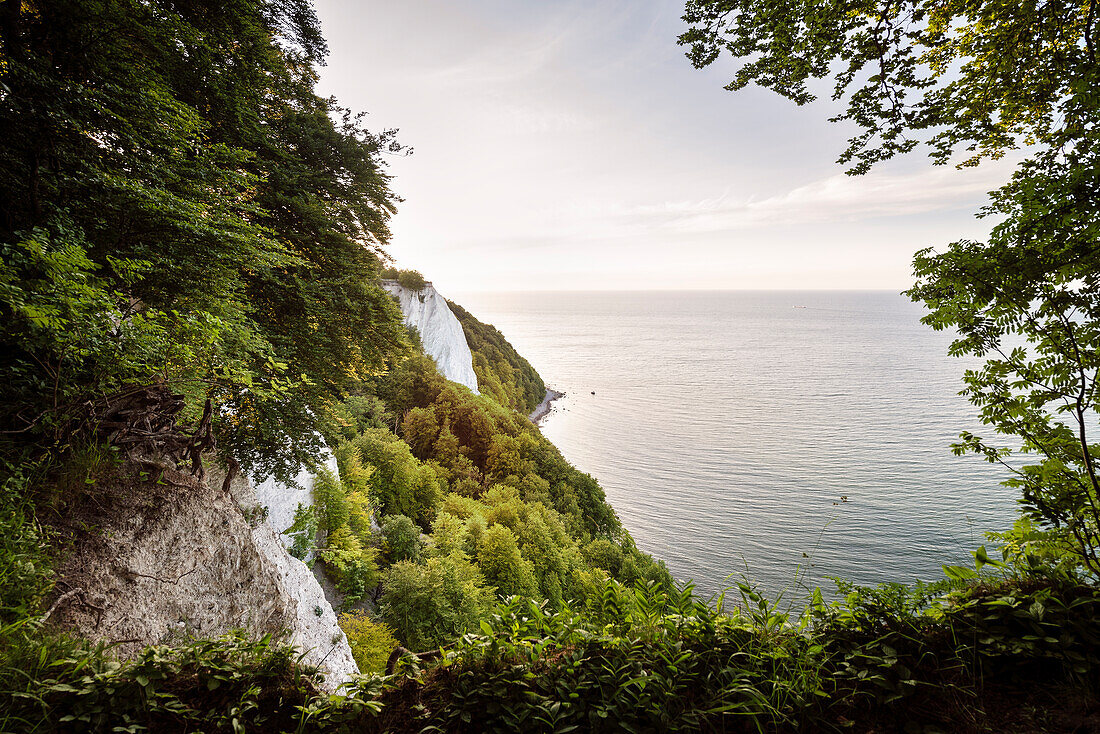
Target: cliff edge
153,558
440,331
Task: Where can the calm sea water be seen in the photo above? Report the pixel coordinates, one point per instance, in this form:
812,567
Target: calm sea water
779,435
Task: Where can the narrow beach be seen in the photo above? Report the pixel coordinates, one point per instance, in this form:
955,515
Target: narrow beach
545,406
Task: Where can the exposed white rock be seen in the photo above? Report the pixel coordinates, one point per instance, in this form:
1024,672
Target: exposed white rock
282,500
152,560
440,332
314,627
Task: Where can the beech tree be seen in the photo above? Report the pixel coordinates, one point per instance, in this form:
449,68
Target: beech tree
971,81
177,203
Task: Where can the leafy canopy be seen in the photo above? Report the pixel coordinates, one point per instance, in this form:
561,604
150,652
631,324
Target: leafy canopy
177,203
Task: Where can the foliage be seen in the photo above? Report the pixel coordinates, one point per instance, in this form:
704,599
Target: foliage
231,683
431,604
647,658
400,538
354,415
331,501
916,71
25,567
401,484
502,373
1029,303
178,204
650,658
344,512
411,279
303,531
371,642
472,437
352,565
499,559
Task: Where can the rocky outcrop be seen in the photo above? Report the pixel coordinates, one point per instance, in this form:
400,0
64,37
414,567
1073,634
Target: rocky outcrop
440,331
149,561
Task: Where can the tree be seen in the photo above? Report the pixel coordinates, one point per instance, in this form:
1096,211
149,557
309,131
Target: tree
178,204
504,567
974,80
371,642
400,538
429,605
411,279
983,76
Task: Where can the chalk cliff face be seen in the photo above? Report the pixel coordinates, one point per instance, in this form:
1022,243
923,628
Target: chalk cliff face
154,560
282,500
440,332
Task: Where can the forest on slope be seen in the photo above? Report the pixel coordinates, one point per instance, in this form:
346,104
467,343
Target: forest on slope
184,216
182,210
502,372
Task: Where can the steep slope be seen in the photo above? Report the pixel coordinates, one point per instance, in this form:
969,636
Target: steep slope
281,501
440,332
502,373
150,561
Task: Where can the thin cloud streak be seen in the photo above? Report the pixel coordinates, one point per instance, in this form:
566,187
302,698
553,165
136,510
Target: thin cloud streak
834,199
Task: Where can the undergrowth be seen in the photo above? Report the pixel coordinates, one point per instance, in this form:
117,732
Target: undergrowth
647,658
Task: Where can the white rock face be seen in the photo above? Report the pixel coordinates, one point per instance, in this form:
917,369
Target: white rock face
156,560
282,500
313,625
440,331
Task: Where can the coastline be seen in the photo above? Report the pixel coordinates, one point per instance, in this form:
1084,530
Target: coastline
545,406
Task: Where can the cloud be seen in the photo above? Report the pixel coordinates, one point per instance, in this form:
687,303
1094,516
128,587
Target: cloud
837,198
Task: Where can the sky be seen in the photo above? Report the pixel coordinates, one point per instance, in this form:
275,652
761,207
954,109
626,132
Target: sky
570,145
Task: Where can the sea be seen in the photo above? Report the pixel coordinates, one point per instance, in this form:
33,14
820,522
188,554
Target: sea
784,438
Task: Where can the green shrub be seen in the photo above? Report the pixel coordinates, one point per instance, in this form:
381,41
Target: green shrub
232,683
435,603
371,642
400,538
303,531
331,501
411,279
352,565
499,559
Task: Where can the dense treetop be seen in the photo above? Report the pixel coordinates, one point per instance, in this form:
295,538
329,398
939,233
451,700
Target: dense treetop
176,202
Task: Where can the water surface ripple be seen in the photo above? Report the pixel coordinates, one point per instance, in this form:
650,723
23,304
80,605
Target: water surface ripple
726,427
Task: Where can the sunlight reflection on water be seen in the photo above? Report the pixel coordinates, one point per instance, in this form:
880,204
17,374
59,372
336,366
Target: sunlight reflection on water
726,427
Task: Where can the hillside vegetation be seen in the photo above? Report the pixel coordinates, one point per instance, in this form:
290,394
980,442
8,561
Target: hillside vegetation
502,373
185,219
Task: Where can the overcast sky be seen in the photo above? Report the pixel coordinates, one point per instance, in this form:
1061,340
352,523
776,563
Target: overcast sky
570,145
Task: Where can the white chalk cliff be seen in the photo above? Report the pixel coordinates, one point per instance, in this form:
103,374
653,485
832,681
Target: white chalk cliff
282,500
440,332
311,620
153,560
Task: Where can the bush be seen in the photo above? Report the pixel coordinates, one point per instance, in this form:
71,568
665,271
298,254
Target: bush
331,501
303,531
232,683
371,642
400,538
499,559
432,604
352,566
411,279
25,569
